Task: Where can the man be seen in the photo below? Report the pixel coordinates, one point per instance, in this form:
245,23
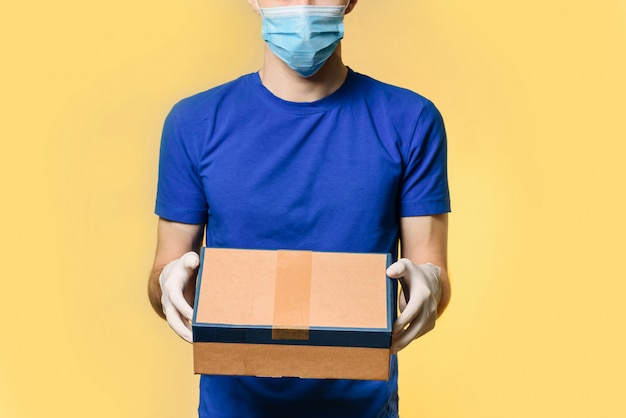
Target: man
306,154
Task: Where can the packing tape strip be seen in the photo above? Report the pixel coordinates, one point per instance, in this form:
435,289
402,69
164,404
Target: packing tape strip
292,299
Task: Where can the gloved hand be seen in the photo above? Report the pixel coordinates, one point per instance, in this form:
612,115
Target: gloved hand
175,280
420,295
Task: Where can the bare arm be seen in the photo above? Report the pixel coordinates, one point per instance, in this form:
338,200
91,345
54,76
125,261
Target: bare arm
423,275
173,240
424,239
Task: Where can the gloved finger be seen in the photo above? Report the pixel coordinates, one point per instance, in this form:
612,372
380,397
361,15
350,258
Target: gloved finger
177,323
421,324
402,301
173,290
178,301
417,314
398,269
409,313
418,327
418,298
191,261
180,271
176,283
398,342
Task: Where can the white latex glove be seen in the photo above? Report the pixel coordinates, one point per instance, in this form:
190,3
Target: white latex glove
174,280
421,293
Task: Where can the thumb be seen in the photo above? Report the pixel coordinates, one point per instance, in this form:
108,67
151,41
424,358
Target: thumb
190,260
398,269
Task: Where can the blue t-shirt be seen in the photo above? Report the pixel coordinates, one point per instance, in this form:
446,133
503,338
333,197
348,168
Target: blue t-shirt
332,175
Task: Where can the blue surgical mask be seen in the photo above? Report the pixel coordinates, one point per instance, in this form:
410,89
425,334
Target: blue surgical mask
304,37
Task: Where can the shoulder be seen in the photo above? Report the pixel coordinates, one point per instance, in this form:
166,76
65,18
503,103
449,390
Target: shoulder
206,101
388,91
396,99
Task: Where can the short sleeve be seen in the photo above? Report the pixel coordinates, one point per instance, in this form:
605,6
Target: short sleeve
424,189
180,193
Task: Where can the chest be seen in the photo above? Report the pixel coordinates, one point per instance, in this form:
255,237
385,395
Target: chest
319,157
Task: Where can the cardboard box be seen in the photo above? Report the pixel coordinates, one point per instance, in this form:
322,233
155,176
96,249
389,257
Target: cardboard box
293,313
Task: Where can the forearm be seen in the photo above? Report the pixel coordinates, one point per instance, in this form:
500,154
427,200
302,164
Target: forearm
173,241
425,240
154,290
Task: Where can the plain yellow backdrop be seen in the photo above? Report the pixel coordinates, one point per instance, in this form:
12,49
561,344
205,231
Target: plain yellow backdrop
533,96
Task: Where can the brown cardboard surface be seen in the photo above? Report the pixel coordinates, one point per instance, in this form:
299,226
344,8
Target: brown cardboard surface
292,292
349,290
292,296
271,360
239,288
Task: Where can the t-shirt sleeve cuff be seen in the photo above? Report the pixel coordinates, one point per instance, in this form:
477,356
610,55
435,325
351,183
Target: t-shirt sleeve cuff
425,208
182,215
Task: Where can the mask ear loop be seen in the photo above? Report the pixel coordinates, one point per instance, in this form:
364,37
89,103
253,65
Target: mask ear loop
259,7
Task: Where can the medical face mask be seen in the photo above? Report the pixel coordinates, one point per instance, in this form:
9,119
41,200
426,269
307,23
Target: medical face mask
304,37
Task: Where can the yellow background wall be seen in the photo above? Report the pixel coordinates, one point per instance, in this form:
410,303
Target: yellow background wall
533,95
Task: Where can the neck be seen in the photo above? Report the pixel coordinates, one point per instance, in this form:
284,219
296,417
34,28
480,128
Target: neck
288,85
